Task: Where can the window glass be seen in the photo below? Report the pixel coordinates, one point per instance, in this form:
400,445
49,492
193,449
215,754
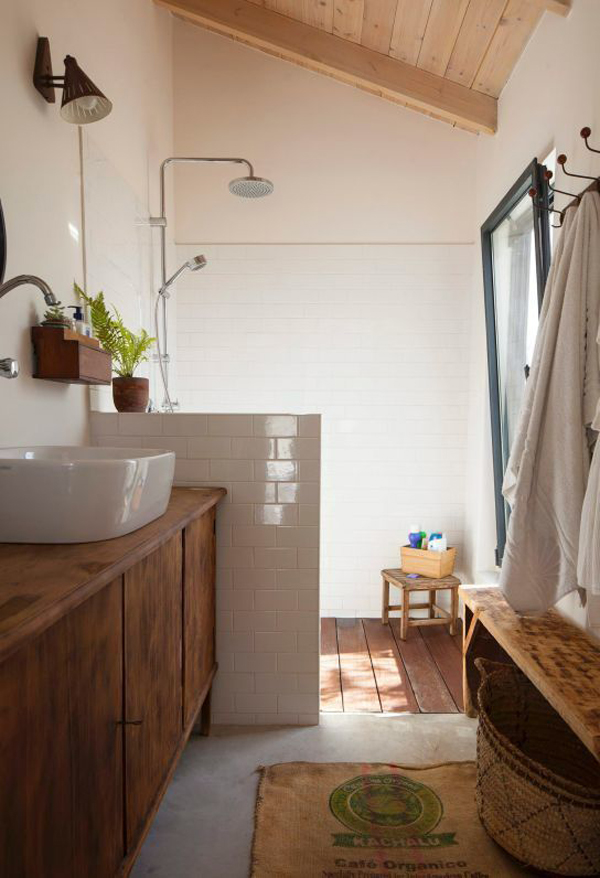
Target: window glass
516,250
516,309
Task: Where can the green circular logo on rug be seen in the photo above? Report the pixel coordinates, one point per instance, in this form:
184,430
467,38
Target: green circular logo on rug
390,804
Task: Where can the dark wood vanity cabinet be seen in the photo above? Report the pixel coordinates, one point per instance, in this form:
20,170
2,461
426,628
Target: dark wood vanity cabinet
95,685
60,699
153,682
199,617
96,707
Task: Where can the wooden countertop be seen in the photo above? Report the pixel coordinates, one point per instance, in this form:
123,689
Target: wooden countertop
561,660
40,583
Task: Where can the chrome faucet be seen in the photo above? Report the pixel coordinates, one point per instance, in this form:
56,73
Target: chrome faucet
9,368
22,279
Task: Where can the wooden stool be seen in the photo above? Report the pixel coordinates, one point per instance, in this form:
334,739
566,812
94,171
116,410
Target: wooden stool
437,616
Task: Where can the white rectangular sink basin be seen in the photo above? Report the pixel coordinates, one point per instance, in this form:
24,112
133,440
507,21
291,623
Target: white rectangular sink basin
64,494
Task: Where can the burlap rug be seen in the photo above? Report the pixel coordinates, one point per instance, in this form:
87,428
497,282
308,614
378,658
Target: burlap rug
348,820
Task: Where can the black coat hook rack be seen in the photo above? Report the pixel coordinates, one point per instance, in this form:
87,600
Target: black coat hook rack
585,133
548,176
561,160
533,194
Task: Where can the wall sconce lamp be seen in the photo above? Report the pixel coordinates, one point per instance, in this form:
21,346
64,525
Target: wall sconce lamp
82,101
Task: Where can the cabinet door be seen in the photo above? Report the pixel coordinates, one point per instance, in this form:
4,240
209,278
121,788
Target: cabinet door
153,696
35,770
61,787
96,692
198,612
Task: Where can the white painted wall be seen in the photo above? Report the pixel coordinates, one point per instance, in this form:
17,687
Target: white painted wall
126,49
551,95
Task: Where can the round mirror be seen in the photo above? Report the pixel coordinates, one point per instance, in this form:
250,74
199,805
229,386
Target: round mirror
2,245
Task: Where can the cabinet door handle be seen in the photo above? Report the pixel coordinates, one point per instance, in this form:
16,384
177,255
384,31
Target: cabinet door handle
129,722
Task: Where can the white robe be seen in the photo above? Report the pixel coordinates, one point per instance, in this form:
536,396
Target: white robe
588,566
548,469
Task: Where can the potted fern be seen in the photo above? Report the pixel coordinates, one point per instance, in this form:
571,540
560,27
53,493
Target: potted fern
128,351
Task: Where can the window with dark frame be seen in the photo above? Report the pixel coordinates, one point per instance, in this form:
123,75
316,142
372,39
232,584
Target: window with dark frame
516,250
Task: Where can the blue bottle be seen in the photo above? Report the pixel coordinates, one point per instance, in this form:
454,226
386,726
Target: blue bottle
414,537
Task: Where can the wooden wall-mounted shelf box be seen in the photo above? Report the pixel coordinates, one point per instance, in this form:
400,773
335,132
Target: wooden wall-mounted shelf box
66,356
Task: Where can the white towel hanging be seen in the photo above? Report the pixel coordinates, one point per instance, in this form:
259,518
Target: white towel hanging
548,468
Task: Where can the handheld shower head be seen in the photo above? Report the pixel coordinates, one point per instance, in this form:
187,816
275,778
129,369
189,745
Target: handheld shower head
196,262
192,264
251,187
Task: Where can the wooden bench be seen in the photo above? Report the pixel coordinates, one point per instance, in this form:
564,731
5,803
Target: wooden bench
561,660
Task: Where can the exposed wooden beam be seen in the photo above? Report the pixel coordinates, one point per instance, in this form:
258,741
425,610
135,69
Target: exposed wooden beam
348,62
561,7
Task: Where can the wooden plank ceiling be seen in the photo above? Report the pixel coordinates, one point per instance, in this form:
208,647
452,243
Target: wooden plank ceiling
449,59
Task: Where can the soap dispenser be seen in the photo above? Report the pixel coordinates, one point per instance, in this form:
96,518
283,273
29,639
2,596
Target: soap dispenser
81,326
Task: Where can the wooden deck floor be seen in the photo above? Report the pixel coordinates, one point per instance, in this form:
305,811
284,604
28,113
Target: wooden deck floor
367,668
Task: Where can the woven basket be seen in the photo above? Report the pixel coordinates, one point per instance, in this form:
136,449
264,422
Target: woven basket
538,788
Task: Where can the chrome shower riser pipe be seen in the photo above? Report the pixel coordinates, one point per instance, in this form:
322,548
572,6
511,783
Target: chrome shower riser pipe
161,222
185,160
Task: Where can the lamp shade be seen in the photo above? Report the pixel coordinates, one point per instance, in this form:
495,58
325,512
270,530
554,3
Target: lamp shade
82,101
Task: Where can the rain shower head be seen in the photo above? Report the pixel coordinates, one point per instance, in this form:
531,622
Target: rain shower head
251,187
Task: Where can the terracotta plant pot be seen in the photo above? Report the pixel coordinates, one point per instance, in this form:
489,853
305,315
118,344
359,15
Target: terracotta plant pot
131,394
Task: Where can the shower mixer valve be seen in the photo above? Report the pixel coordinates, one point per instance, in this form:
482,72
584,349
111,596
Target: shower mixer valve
9,368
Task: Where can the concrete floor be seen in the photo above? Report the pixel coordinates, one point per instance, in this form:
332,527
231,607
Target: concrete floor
205,823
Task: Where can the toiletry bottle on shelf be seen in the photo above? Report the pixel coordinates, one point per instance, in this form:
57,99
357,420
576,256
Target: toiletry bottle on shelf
81,326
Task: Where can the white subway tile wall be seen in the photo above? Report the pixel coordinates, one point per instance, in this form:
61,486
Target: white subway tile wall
267,551
375,338
118,250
